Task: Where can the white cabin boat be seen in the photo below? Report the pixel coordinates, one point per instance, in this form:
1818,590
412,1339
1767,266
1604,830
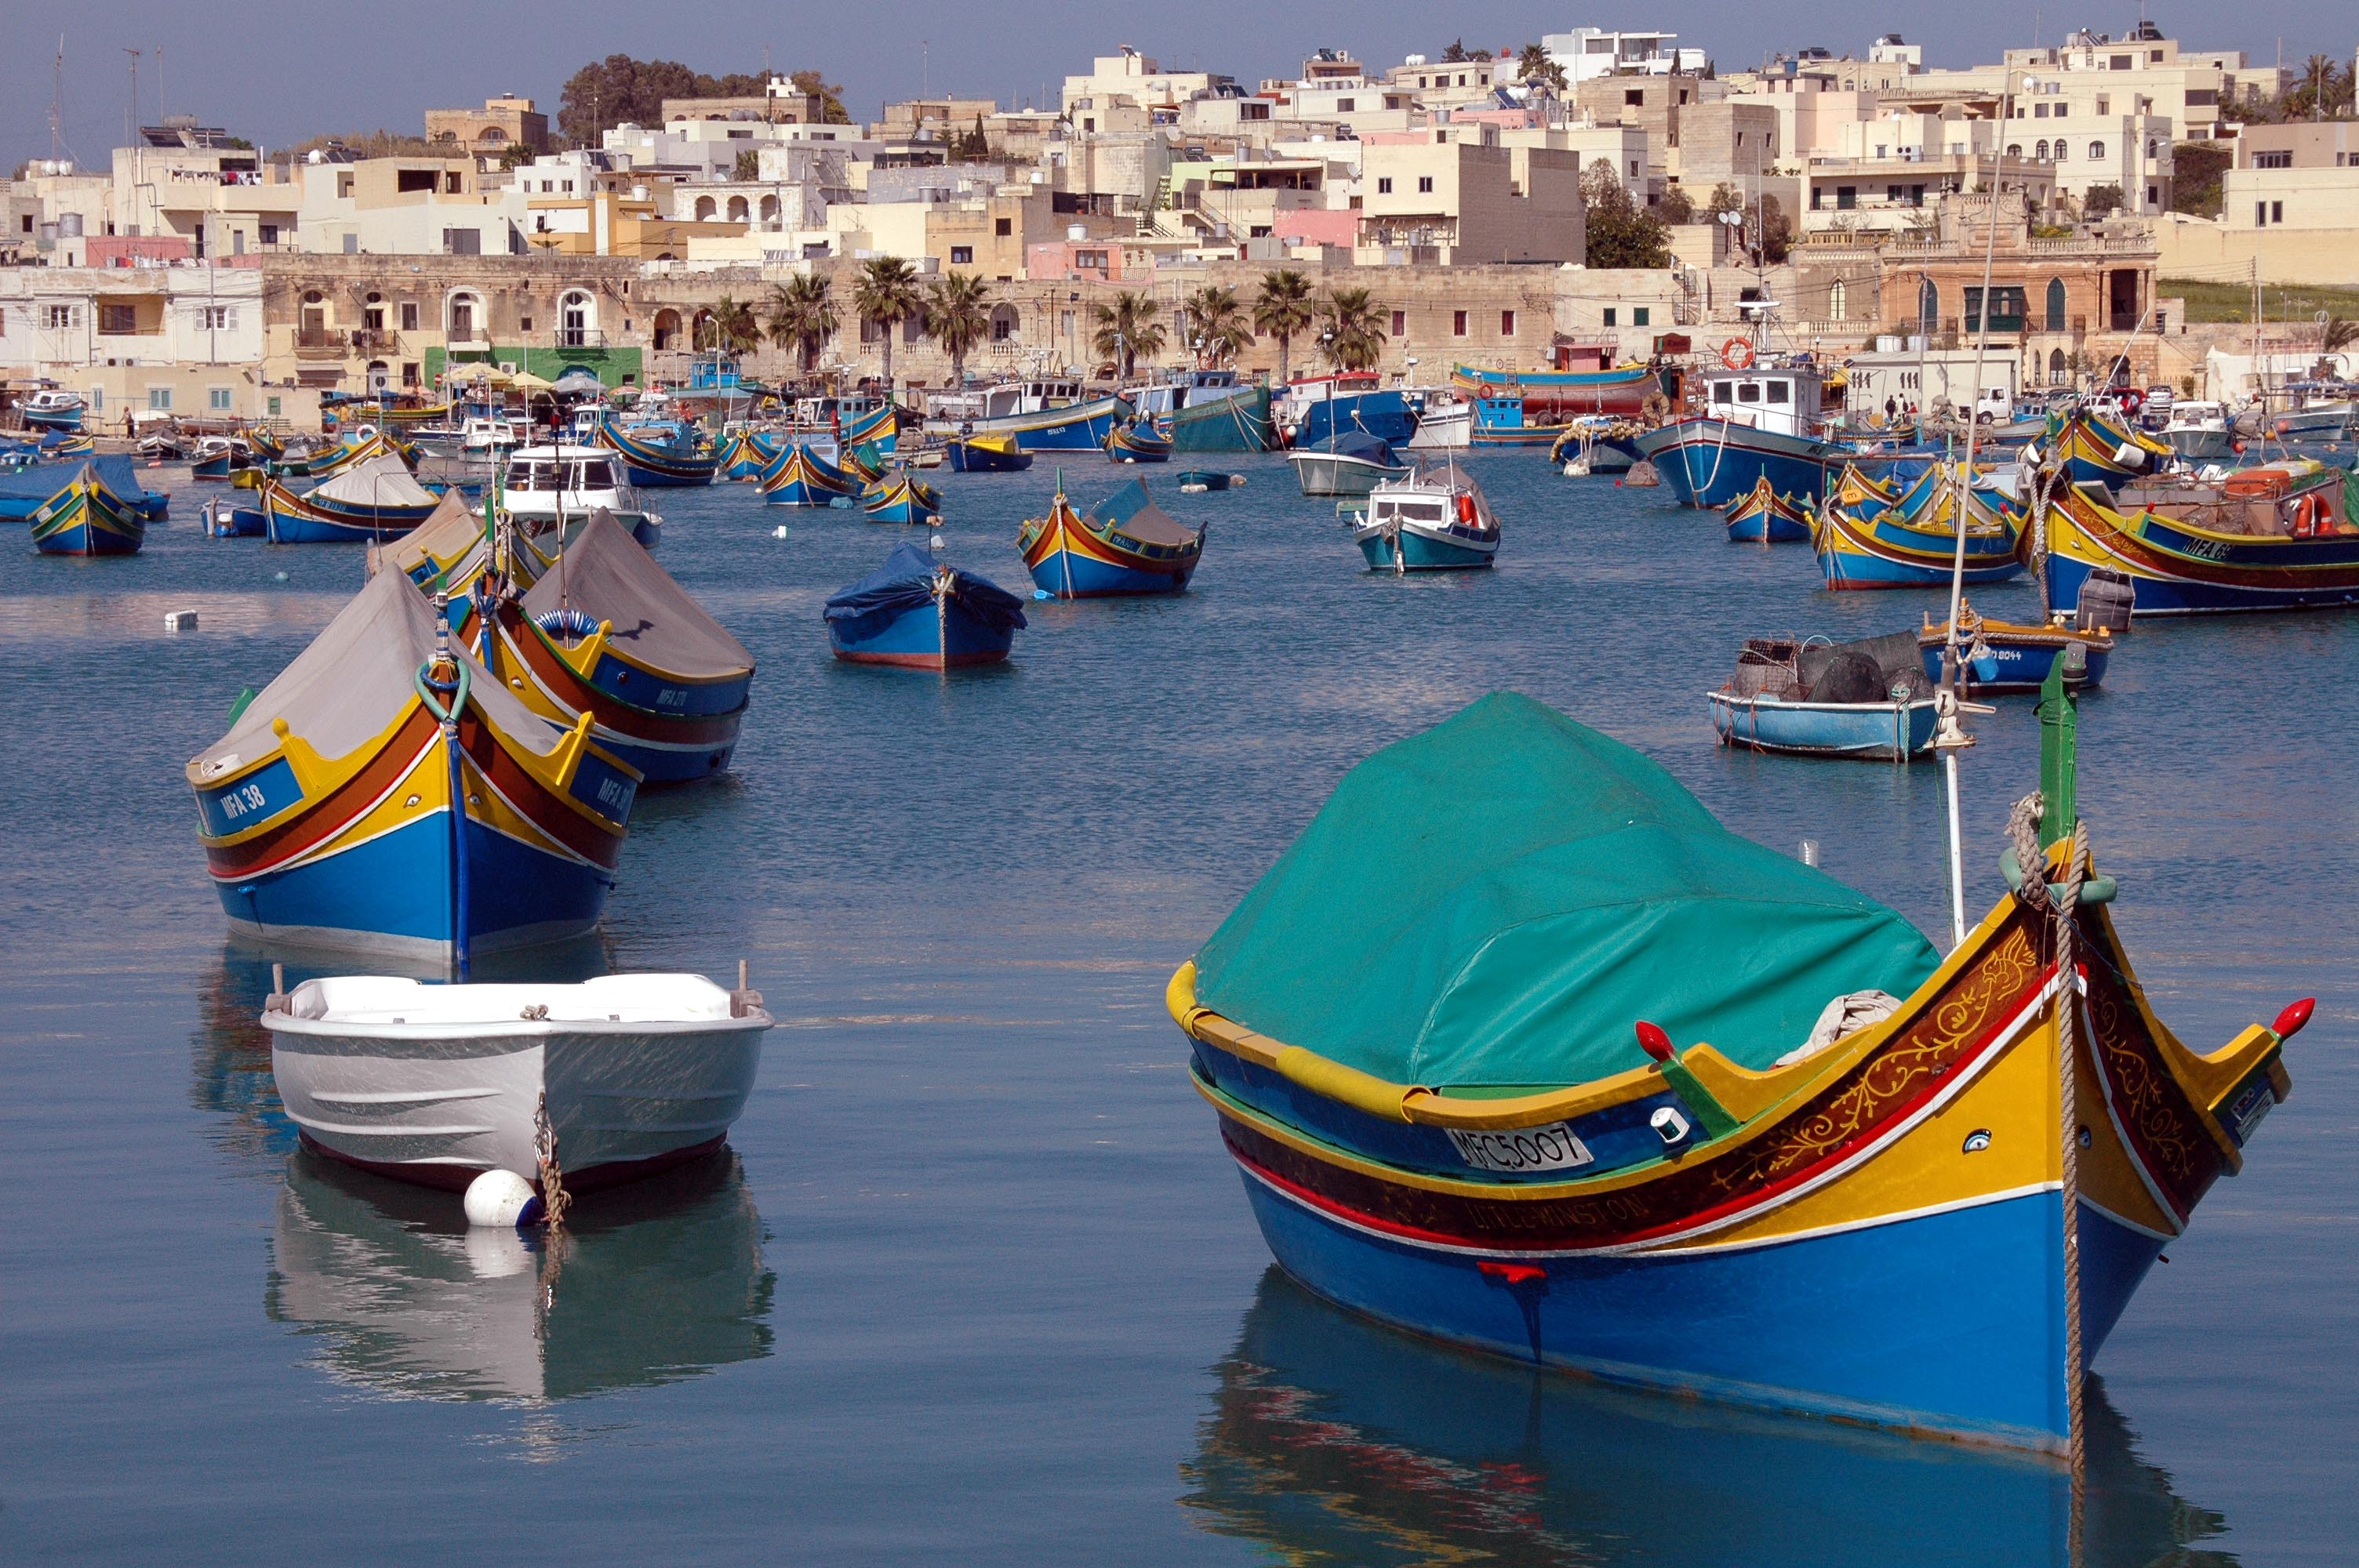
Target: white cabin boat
437,1083
544,485
1435,519
2200,431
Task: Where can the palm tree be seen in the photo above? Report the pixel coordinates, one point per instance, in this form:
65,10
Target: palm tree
1216,325
730,327
883,295
1127,329
1284,309
1348,329
2318,75
802,313
1540,70
957,314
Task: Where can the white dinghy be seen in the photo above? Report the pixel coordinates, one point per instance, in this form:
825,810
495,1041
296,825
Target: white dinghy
439,1084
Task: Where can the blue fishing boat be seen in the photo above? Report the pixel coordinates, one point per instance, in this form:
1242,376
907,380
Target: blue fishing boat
1465,1077
1864,540
222,518
898,496
671,456
1081,427
23,491
613,636
749,454
1195,480
223,457
1223,420
1526,407
802,477
2280,535
1999,656
1867,699
1125,546
387,794
1761,516
84,517
373,501
1758,424
918,614
1137,441
1436,520
1597,445
985,454
1341,414
2099,450
53,408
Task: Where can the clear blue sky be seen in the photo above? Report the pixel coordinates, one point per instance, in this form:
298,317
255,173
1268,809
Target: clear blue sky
275,71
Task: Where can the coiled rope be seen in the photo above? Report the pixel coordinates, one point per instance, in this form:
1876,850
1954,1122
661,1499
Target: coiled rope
2060,897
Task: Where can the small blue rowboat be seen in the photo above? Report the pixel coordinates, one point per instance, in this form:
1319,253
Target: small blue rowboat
2003,657
1138,442
1761,516
86,518
986,454
222,518
916,614
802,478
900,497
222,461
1866,699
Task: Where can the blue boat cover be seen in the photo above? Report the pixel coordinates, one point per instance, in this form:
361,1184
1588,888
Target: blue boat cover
44,480
1384,415
904,582
1359,444
1496,903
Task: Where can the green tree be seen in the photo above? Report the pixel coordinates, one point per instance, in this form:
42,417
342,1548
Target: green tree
607,93
729,327
883,295
1621,232
957,314
1284,309
1676,207
2195,172
1724,198
2100,200
1348,329
1216,327
1127,331
1539,69
748,166
802,312
829,94
1456,53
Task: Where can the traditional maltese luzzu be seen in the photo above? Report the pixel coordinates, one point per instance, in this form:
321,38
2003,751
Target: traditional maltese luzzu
1603,1085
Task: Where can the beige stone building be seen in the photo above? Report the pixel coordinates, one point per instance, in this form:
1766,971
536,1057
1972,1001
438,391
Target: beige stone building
501,123
1459,200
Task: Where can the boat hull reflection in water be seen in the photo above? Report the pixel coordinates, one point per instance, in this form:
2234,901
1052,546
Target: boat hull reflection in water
660,1282
1332,1440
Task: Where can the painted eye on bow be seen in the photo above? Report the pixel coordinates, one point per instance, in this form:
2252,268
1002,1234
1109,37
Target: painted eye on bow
1976,1141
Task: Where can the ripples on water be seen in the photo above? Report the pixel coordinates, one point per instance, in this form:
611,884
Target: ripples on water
977,1282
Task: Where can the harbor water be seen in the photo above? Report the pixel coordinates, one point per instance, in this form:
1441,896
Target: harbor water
976,1284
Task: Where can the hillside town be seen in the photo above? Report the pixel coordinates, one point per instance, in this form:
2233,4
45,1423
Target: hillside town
2147,211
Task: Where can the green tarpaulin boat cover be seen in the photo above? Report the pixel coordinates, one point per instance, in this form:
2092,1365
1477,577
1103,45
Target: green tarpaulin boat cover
1497,902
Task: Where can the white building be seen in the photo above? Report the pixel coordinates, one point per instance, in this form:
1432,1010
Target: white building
1585,53
176,340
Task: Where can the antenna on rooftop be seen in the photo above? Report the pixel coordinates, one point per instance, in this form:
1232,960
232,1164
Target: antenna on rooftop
131,109
57,103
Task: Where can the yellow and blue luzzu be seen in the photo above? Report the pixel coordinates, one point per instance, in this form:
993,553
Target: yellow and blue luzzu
896,495
1910,541
655,456
386,794
86,517
801,477
1465,1077
1125,546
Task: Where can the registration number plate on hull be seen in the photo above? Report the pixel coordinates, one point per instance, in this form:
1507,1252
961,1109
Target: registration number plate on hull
1549,1148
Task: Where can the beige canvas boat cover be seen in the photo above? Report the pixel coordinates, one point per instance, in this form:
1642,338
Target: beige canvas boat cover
381,480
604,574
348,686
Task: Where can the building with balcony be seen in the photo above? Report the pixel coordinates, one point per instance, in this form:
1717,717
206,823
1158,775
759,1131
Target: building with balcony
1470,202
170,340
1586,54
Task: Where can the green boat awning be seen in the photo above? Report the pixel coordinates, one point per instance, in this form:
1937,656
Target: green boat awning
1497,902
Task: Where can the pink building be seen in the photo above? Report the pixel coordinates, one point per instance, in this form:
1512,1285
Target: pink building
1070,260
138,250
1318,226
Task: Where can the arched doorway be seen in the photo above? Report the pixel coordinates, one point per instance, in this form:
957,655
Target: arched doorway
770,210
314,323
380,377
1836,300
1006,324
2056,371
1929,308
577,320
667,324
739,211
2055,304
462,317
705,208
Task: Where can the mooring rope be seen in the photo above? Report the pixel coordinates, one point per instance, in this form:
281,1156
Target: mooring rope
2061,897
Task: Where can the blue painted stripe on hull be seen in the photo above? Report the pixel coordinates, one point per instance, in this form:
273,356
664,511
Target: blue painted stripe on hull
1419,554
668,764
2158,596
398,885
1950,1321
924,637
2014,667
1846,569
1093,578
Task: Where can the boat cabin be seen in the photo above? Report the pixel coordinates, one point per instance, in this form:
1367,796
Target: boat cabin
1029,396
1781,400
535,471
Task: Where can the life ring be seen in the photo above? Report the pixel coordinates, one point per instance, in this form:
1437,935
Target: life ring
1736,353
2305,517
1466,508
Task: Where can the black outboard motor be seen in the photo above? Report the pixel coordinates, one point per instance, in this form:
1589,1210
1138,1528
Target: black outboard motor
2105,601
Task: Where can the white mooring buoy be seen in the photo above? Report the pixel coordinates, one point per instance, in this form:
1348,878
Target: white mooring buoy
502,1198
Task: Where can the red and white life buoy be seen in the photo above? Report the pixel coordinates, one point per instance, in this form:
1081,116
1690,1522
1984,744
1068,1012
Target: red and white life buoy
1737,353
2306,517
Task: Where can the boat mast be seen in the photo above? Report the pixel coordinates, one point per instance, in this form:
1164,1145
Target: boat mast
1949,737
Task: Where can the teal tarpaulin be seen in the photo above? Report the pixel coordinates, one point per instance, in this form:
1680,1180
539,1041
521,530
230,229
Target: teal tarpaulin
1498,900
